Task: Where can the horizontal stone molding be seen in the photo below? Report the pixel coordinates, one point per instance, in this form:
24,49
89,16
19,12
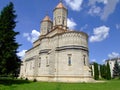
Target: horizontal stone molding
72,47
68,34
29,59
44,51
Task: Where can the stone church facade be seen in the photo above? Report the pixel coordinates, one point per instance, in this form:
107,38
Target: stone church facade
59,54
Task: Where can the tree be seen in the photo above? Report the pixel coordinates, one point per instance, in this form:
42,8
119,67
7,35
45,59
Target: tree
116,70
103,71
96,71
108,73
9,61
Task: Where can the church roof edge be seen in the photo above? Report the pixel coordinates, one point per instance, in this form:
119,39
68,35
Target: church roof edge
47,18
60,5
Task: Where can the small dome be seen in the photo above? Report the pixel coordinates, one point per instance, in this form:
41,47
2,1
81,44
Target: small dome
47,18
60,5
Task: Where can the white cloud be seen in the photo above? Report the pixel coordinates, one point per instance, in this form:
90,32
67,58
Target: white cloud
95,10
93,60
113,55
109,8
74,4
100,33
71,24
21,53
103,1
32,36
84,27
93,2
117,26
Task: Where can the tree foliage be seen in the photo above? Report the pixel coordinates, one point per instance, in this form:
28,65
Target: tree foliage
116,70
9,61
108,73
103,71
96,71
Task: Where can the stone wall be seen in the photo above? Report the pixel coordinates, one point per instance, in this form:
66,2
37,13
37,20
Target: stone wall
63,57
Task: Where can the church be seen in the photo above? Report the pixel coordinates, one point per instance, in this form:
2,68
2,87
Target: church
59,54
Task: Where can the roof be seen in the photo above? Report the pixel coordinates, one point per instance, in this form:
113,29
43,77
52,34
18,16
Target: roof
60,5
46,18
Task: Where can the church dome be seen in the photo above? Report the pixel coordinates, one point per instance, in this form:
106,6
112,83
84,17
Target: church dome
46,18
60,5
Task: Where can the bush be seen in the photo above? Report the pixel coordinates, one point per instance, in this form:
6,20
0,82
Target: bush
34,80
26,78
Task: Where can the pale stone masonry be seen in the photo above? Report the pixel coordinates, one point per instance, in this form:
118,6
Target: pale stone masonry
59,54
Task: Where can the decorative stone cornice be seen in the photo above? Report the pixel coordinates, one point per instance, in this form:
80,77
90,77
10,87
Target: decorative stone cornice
44,51
31,58
75,47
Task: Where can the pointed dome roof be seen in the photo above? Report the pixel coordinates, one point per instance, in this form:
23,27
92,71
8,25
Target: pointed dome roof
60,5
46,18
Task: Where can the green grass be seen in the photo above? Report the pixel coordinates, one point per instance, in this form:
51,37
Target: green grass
9,84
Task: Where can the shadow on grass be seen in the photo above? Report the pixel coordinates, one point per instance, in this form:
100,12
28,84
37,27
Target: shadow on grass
9,82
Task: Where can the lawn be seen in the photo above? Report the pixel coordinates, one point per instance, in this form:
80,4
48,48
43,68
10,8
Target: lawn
29,85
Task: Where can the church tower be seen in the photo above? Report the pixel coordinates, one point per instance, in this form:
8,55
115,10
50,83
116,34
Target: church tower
60,16
46,25
59,54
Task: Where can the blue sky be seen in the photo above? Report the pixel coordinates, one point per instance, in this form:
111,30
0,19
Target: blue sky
100,19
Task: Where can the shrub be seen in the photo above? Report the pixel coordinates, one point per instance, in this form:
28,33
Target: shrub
34,80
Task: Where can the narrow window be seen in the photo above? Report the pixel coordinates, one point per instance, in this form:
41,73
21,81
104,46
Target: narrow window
63,20
25,67
55,20
84,59
47,62
39,63
69,59
59,17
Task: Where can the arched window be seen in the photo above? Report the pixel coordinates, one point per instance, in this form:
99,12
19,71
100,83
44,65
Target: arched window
55,20
47,62
58,19
69,59
84,59
39,62
63,20
25,67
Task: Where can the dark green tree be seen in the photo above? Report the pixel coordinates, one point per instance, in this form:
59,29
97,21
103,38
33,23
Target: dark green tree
116,70
103,71
9,61
96,71
108,73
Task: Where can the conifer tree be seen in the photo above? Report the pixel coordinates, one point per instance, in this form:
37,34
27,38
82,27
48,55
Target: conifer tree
96,71
9,61
116,70
108,73
103,71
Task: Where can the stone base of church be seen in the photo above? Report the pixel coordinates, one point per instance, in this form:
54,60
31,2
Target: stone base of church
62,78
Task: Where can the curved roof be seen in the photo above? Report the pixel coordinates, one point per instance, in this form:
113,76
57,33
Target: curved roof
60,5
46,18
